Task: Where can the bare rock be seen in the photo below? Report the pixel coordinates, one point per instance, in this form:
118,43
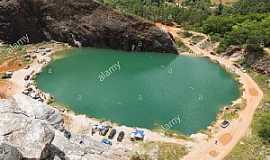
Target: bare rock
37,109
231,50
24,132
262,65
30,136
26,125
80,22
8,152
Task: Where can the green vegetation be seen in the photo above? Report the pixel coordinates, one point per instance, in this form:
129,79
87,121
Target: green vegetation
171,133
246,23
189,13
163,151
4,54
196,39
17,53
181,46
239,29
249,6
187,34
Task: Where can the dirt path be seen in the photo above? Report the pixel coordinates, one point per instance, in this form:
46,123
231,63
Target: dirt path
223,140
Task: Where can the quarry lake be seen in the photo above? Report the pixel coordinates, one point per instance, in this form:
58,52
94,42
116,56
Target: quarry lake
146,90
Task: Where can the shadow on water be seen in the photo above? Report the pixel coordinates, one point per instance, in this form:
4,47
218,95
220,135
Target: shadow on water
106,57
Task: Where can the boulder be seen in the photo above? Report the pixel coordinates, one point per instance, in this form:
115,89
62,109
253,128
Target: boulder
37,109
262,65
24,132
8,152
76,151
30,136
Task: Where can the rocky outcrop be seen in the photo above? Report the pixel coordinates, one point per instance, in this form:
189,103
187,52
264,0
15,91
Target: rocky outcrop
80,22
37,110
28,134
28,130
8,152
232,50
262,65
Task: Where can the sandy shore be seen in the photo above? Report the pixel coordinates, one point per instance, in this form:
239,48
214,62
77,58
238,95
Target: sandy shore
222,140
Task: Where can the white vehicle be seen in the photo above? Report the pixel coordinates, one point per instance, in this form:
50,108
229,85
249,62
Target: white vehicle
7,75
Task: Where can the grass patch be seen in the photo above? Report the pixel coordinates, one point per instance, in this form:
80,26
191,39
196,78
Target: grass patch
196,39
171,133
184,34
14,54
176,135
181,46
232,112
160,151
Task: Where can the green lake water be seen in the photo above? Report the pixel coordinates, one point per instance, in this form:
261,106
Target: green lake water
140,89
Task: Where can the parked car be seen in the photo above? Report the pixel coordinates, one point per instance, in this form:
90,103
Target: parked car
67,134
112,134
27,77
137,135
225,124
104,131
237,65
243,70
7,75
106,141
121,136
27,67
212,53
26,92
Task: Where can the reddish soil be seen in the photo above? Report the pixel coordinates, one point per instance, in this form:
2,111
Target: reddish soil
6,89
226,138
11,64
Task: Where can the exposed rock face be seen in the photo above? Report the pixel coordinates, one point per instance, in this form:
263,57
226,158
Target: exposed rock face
37,110
28,134
262,65
8,152
80,22
28,127
232,50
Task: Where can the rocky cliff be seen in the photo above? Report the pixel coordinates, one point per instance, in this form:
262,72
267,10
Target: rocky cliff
80,22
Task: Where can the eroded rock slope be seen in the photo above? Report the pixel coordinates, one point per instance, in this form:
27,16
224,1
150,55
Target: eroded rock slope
84,22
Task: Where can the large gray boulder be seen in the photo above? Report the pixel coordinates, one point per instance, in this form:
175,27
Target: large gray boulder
8,152
37,110
30,136
23,131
